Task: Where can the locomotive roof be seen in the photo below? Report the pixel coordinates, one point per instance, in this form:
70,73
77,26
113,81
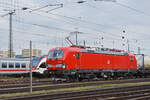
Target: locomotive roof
15,59
102,50
97,50
70,47
105,52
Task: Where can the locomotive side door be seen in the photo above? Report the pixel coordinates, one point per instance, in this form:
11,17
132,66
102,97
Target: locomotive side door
77,66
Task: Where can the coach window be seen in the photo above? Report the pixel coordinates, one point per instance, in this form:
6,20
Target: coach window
11,65
23,65
77,55
4,65
17,65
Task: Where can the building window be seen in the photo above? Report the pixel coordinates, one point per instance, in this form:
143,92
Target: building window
4,65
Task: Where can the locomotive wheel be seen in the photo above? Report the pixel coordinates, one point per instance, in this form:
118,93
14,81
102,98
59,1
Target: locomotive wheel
78,77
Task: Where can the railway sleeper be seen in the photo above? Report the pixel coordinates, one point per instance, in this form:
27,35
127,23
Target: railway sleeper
128,97
103,96
142,98
102,92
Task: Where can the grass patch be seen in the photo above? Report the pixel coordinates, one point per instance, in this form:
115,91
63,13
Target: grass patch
73,89
10,78
79,83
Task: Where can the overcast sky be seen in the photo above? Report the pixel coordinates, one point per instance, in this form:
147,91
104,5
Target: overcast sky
96,19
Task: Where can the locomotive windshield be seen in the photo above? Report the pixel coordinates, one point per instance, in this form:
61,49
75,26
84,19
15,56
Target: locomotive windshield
35,61
56,54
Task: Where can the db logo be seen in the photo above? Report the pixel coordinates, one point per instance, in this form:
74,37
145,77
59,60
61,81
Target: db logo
108,61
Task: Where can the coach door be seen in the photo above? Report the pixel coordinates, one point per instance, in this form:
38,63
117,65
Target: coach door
77,60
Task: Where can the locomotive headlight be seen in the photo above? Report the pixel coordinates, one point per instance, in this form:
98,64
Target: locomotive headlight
64,66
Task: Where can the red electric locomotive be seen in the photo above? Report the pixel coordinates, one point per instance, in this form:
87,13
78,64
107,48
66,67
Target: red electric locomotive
77,63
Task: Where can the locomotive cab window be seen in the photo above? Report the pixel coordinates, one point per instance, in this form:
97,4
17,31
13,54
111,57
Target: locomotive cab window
56,54
17,65
11,65
23,65
4,65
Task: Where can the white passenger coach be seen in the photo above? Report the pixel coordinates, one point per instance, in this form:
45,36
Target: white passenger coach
21,66
10,66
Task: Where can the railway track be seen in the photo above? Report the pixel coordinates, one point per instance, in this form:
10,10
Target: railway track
50,86
141,92
21,81
126,93
25,83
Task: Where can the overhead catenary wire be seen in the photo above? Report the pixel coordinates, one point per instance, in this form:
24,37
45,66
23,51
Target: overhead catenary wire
80,20
126,6
133,9
73,24
84,21
43,26
32,33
